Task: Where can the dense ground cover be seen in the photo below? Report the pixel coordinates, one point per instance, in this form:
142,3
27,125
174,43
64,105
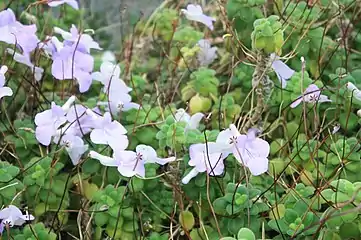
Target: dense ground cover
234,119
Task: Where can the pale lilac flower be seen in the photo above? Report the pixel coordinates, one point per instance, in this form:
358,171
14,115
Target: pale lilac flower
252,152
206,54
192,121
74,145
69,63
14,217
355,91
80,123
282,71
83,41
109,75
195,13
51,45
55,3
4,91
14,32
312,94
108,56
205,158
118,99
149,155
227,138
48,121
119,102
25,59
128,162
108,132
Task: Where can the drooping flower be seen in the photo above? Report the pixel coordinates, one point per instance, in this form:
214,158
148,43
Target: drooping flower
4,91
205,158
83,41
128,163
282,71
55,3
355,91
74,145
14,217
206,54
14,32
109,75
25,59
149,155
192,121
312,94
108,132
48,121
195,13
252,152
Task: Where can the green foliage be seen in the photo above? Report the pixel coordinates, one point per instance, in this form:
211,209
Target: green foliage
267,35
36,232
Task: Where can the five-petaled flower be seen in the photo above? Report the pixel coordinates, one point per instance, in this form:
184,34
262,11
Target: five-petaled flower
131,163
205,157
14,32
312,94
48,121
108,132
12,216
195,13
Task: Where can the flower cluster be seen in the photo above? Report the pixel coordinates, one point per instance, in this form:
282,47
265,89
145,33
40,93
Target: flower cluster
249,150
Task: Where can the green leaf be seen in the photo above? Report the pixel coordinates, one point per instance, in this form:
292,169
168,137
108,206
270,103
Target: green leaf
186,219
235,224
290,215
246,234
220,205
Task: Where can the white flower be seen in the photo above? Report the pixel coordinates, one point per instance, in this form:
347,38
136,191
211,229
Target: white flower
110,75
252,152
55,3
355,91
195,13
25,59
4,91
83,41
48,121
149,155
108,132
206,157
118,98
206,54
127,162
74,145
108,56
192,122
14,217
282,71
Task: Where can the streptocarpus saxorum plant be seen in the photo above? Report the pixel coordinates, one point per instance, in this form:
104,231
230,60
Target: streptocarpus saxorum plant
186,129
